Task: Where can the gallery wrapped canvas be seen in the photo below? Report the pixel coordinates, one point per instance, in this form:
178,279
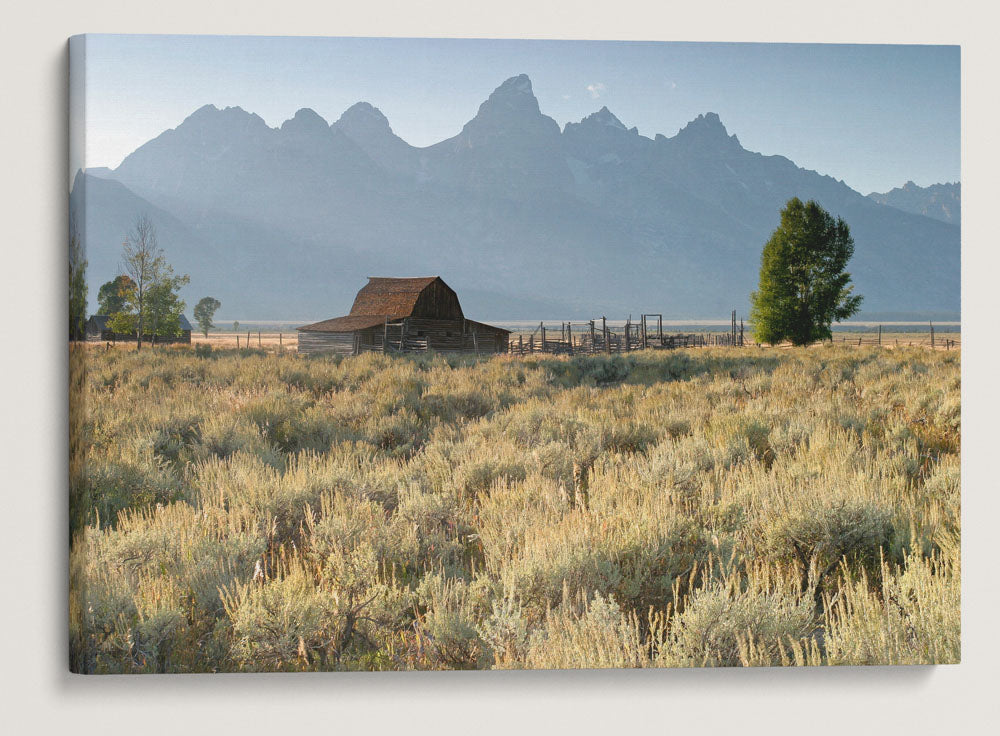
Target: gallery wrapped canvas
422,354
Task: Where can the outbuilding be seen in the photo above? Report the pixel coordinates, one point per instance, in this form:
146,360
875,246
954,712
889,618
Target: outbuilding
96,330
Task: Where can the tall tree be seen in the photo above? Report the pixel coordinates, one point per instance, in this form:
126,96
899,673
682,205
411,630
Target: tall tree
804,286
112,294
204,311
77,284
141,256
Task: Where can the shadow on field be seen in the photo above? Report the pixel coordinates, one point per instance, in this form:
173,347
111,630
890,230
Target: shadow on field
648,368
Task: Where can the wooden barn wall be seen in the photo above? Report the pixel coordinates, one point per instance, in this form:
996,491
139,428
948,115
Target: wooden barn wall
370,340
453,336
410,335
437,301
341,343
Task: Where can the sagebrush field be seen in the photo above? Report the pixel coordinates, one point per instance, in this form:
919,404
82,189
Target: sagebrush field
245,511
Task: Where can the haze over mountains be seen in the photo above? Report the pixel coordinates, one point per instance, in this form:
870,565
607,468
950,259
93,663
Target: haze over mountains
524,219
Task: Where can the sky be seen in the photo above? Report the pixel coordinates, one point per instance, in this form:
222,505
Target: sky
875,116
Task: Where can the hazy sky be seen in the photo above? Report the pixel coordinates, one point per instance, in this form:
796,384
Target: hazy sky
874,116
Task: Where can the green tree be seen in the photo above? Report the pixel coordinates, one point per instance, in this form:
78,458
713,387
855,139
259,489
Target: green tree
111,295
77,285
163,303
123,321
803,285
236,326
204,311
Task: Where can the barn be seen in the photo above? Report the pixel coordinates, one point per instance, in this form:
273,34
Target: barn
97,330
403,315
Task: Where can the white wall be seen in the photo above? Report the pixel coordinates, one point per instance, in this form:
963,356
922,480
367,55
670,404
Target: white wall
38,694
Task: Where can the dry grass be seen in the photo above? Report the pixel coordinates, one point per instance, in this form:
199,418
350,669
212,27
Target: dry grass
288,340
255,511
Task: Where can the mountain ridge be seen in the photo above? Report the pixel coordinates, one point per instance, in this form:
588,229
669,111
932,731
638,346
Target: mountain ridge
590,216
941,201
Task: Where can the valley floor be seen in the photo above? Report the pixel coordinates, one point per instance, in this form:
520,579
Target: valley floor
707,507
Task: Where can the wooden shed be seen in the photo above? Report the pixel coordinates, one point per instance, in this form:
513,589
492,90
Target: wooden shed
403,315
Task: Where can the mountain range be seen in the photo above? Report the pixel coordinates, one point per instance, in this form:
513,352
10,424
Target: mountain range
524,219
941,201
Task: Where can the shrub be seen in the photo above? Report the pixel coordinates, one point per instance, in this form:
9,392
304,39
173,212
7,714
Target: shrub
601,636
449,624
748,620
819,536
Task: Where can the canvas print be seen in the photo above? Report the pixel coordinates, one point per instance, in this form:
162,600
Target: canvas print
427,354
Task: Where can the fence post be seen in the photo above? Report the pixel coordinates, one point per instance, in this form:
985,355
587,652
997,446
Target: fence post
880,335
932,334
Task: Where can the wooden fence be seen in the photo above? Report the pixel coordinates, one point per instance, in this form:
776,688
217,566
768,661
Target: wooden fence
596,336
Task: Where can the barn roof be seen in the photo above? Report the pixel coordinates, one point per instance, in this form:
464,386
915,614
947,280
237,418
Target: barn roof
345,324
477,325
185,325
387,297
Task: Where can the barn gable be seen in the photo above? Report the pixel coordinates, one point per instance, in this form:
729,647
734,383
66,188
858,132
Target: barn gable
428,297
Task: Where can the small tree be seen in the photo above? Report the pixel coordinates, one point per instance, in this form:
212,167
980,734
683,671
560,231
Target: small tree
163,302
122,321
77,285
236,326
803,285
204,311
111,296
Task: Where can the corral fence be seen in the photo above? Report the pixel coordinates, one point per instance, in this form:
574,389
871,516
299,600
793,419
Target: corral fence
647,333
596,336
